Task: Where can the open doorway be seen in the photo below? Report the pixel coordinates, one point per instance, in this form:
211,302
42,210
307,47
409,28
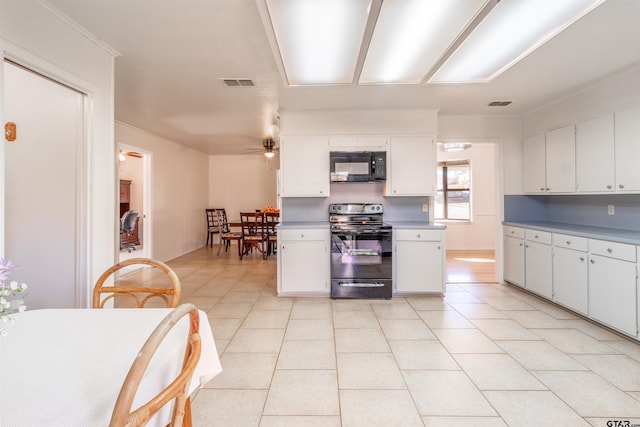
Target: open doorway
467,201
134,202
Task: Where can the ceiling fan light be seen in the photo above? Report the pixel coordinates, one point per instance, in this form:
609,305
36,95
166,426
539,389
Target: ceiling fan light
269,154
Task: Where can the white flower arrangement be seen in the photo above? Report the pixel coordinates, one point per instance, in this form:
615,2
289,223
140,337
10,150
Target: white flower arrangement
11,294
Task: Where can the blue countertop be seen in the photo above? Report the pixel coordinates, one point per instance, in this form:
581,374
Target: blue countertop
603,233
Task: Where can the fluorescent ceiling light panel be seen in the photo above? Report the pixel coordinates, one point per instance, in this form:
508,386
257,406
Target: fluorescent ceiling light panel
512,30
411,35
319,40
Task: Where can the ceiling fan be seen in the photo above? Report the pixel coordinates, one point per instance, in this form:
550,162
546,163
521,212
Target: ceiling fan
269,148
123,154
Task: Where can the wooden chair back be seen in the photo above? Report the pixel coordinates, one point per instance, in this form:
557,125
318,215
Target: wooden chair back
226,235
177,391
140,294
271,220
253,233
212,225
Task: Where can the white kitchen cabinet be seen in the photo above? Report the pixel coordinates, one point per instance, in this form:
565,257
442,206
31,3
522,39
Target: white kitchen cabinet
595,163
627,149
419,261
561,160
538,259
303,262
514,255
549,163
304,162
412,166
534,164
358,143
570,272
612,285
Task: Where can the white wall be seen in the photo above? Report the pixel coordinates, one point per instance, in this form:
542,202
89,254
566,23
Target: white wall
179,192
479,233
34,35
617,92
242,183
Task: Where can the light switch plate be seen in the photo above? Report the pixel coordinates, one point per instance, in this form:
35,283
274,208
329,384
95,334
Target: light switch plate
610,210
425,207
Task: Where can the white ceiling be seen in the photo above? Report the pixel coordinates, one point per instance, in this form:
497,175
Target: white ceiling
174,53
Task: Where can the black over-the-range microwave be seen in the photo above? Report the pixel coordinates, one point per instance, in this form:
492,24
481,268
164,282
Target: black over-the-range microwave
359,166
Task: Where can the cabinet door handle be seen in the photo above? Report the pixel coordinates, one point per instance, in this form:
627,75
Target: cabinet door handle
568,242
526,246
535,237
609,250
541,188
520,244
608,187
302,236
592,261
418,236
581,258
548,189
621,185
438,247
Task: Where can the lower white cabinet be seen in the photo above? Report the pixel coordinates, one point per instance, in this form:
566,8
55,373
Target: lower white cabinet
419,261
570,272
594,277
537,257
514,255
303,261
612,285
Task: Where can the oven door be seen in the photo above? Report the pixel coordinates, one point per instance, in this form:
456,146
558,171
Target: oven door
361,264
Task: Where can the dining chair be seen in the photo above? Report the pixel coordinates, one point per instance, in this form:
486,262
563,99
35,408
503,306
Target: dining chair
140,294
177,390
212,225
271,220
226,235
128,223
253,234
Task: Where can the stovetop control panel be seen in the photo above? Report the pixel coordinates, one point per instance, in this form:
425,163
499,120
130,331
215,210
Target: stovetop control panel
356,208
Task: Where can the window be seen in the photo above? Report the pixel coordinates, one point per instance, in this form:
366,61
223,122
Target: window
453,198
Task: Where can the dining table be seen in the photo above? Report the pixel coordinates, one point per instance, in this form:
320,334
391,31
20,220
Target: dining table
65,367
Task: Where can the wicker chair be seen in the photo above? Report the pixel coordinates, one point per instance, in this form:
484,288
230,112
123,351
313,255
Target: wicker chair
178,390
140,294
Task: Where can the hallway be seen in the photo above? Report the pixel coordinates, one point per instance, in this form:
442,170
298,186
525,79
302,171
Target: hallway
484,355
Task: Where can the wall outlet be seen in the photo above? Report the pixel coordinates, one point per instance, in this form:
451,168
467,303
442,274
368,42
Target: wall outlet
425,207
610,210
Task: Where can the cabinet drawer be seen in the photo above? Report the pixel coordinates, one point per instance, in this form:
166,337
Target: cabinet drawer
538,236
303,234
621,251
419,235
570,242
513,231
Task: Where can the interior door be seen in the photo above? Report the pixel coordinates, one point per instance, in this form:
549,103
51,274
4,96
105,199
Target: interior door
43,183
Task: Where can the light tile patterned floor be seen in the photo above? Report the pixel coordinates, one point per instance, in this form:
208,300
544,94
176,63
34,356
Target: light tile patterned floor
485,355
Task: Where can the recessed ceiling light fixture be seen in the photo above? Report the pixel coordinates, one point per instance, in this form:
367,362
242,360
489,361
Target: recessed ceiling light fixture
411,35
512,30
330,42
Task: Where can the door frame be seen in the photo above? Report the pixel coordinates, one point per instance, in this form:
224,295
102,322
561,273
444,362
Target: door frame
147,224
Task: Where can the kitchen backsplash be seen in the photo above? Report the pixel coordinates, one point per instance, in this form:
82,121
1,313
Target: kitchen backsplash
579,209
317,208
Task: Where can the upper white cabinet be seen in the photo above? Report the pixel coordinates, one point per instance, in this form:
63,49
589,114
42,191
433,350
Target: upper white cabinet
627,149
412,166
358,143
561,160
534,164
304,163
595,171
549,162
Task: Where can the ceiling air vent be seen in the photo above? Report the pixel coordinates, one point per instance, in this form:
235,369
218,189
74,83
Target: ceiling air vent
238,82
499,103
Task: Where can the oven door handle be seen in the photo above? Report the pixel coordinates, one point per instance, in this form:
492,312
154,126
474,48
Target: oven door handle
362,284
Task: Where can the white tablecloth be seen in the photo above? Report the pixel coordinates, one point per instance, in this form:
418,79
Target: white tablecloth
65,367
